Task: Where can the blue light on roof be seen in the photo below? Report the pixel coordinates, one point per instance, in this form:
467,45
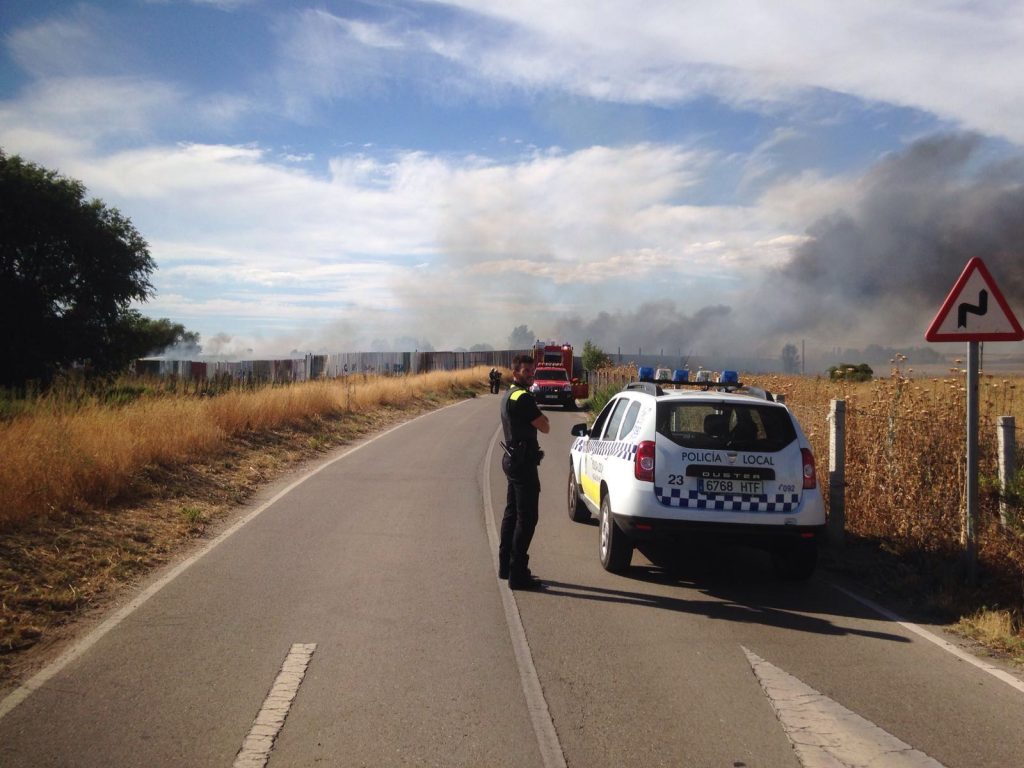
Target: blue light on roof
645,373
680,375
729,377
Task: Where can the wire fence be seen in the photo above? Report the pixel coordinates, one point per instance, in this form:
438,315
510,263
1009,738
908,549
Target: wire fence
310,367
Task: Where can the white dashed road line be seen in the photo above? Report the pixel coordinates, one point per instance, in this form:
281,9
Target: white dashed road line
540,716
826,734
256,748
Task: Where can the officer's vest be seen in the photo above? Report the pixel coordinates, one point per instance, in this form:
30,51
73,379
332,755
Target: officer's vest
519,431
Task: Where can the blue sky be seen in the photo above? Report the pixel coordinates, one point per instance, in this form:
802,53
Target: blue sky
354,175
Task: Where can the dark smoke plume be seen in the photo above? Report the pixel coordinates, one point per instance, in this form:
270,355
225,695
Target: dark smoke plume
879,271
875,272
653,326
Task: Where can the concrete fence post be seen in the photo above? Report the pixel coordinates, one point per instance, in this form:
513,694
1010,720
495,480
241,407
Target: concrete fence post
837,473
1007,435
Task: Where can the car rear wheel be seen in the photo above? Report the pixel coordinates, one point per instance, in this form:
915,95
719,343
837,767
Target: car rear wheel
578,511
795,561
616,549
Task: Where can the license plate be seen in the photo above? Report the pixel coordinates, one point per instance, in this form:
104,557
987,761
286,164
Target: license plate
742,487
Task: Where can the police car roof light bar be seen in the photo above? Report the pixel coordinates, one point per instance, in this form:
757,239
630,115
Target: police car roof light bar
706,385
648,387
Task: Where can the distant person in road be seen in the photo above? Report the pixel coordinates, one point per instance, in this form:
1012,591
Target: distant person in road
495,378
521,419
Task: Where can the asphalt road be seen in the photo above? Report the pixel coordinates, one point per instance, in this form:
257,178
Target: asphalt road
378,571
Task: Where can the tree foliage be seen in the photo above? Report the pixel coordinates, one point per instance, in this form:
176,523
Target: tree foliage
69,270
851,372
521,338
143,336
594,357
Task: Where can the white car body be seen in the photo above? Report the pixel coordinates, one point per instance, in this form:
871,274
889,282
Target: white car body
681,480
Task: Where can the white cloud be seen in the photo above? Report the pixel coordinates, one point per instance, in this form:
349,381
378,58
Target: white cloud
428,242
323,57
959,61
88,109
65,46
278,234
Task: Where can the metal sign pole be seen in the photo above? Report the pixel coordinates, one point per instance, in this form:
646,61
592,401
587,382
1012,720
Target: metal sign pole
970,541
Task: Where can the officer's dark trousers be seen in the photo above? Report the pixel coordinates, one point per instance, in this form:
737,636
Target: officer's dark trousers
520,518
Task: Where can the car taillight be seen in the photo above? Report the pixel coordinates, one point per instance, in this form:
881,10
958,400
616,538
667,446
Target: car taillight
643,465
810,475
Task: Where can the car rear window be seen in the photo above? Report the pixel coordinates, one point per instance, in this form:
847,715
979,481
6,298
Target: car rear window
726,425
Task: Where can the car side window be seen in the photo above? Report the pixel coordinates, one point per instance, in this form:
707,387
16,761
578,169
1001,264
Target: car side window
615,419
602,418
630,420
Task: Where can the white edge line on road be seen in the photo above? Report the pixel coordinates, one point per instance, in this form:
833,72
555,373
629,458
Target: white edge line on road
540,717
945,645
258,743
35,682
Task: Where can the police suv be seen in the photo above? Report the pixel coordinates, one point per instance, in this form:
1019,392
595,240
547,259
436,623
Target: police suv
697,458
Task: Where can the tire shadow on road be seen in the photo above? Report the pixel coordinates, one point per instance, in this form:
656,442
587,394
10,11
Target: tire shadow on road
741,587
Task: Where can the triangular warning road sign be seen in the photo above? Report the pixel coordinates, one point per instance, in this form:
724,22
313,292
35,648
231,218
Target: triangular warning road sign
975,310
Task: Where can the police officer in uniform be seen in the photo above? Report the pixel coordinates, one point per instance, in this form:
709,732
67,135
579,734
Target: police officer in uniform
521,419
495,378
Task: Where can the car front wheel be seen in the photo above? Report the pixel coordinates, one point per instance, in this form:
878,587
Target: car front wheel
616,549
578,511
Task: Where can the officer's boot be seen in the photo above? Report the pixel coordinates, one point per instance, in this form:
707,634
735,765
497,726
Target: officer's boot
519,576
503,564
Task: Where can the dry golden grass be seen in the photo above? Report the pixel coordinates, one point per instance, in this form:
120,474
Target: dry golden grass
905,451
1000,629
64,455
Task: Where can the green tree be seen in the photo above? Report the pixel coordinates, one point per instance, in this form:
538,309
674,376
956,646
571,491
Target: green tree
851,372
594,357
69,269
143,336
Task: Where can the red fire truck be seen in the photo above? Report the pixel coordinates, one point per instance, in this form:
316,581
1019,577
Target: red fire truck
556,381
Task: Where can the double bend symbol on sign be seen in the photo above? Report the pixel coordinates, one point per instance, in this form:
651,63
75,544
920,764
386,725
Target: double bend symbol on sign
975,319
975,309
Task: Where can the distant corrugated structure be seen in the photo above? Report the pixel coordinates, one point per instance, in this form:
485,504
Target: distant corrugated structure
326,366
